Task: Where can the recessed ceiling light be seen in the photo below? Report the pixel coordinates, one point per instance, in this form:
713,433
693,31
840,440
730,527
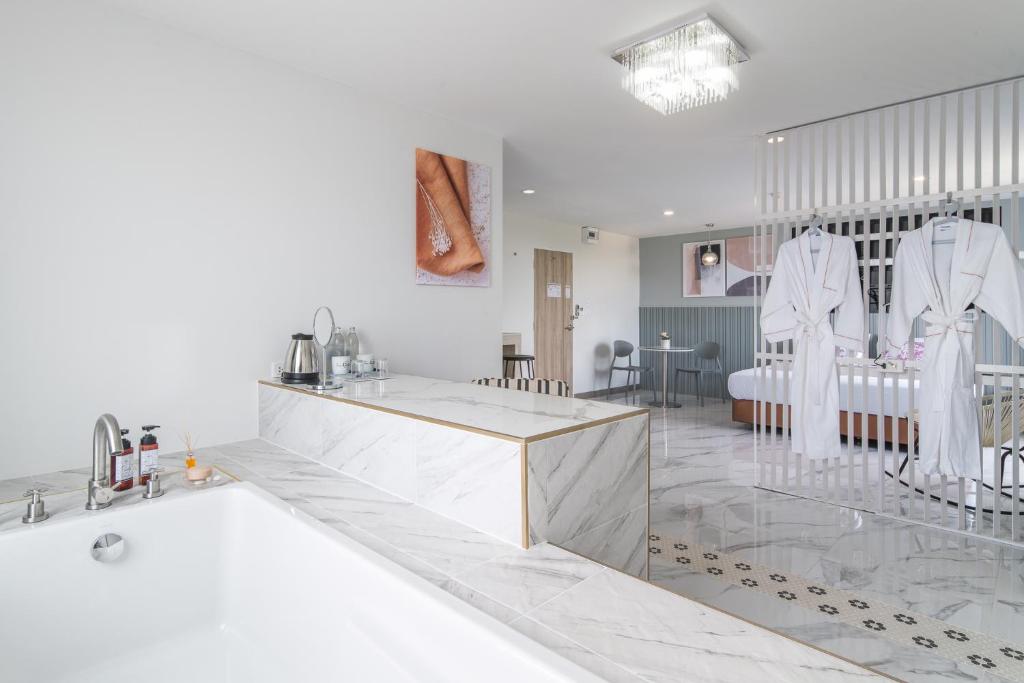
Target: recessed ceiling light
669,212
780,138
919,178
771,141
528,191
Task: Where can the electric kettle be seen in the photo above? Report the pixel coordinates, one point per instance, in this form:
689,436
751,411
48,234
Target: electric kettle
301,363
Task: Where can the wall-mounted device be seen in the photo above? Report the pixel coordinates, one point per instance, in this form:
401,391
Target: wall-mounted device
576,315
591,235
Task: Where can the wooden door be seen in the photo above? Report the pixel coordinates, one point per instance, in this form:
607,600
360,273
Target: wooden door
552,314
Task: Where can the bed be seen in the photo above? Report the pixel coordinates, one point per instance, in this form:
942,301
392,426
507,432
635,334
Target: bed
744,383
742,386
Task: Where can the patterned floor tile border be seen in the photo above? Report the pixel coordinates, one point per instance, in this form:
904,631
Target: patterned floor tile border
994,656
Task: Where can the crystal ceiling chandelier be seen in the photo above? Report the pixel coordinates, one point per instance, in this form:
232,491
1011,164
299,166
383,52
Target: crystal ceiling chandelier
685,67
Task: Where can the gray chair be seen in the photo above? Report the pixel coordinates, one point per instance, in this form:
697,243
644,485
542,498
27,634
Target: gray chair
623,349
707,362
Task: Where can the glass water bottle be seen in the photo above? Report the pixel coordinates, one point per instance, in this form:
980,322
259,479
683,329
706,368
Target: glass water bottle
353,343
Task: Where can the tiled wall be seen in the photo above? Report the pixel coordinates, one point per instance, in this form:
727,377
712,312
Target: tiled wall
588,492
472,478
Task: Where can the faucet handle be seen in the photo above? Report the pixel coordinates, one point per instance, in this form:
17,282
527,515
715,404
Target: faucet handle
153,489
100,495
36,511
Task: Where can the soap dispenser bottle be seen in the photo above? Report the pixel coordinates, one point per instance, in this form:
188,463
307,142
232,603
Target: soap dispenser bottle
122,472
149,453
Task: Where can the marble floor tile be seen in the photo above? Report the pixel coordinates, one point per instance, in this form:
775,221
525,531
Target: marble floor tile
702,489
528,579
481,601
636,636
444,544
794,600
350,500
389,551
620,543
574,652
857,645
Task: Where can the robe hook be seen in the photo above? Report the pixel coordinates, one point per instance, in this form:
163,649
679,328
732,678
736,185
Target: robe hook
952,207
815,224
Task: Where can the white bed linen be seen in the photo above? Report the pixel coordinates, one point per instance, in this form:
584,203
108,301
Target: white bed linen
742,384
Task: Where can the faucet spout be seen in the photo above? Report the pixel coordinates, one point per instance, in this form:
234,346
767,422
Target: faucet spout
106,441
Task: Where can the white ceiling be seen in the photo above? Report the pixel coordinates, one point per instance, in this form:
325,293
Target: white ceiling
538,73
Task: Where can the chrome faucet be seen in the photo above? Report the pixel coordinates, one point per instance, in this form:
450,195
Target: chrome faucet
106,441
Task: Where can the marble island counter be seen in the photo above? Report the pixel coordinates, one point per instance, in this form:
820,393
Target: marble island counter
516,415
523,467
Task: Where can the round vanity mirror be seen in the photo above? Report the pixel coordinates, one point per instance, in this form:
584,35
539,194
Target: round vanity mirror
323,329
323,325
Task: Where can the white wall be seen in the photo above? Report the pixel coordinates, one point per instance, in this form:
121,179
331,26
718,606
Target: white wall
606,282
172,210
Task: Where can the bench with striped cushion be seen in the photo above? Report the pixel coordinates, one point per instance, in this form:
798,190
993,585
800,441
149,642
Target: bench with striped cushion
553,387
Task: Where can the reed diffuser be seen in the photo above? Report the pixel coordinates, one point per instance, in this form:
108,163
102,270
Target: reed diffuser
190,445
194,473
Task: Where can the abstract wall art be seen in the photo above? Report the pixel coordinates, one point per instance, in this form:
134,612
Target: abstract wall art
701,280
741,266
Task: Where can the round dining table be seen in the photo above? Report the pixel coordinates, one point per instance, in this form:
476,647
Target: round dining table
663,352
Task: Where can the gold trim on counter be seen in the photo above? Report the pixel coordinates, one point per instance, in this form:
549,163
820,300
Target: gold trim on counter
457,425
524,483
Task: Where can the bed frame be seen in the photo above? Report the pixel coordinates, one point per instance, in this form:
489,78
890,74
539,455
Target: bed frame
743,411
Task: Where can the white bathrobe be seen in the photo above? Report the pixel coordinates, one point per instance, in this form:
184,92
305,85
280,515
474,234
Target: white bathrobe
940,282
797,306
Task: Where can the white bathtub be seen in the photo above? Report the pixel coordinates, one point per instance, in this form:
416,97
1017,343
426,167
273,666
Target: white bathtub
232,584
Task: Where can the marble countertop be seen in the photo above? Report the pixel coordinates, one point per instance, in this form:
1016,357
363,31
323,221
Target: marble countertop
521,415
620,628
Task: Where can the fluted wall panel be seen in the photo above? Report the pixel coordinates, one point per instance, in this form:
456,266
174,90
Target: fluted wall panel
731,326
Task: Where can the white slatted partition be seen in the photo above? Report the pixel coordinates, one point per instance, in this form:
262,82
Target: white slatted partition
874,176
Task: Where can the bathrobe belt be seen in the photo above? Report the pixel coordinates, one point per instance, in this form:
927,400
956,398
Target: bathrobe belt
812,330
950,330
